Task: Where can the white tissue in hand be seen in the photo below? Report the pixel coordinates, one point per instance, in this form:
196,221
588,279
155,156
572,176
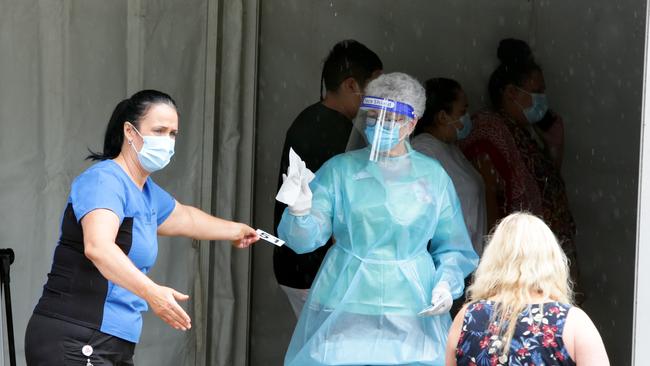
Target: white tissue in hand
297,175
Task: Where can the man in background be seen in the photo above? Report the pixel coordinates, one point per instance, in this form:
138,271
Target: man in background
318,133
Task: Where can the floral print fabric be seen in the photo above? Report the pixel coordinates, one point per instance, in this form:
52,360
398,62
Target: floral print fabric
527,177
537,340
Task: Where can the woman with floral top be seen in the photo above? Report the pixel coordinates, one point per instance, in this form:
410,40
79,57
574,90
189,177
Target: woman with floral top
517,148
520,308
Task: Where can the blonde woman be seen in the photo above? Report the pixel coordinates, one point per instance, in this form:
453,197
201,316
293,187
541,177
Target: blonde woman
520,310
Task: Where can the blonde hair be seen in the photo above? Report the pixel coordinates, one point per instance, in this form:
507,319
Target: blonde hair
521,262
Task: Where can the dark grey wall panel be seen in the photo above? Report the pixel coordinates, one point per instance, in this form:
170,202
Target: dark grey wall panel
592,55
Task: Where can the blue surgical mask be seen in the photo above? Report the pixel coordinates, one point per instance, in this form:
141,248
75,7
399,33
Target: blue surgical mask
536,112
466,120
156,151
388,139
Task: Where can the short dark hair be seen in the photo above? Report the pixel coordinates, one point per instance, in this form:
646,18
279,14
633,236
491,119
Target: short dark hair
131,110
346,59
441,95
517,64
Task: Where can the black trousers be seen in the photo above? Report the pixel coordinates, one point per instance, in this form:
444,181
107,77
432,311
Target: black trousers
54,342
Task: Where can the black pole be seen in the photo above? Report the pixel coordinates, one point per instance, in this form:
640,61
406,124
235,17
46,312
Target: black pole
6,258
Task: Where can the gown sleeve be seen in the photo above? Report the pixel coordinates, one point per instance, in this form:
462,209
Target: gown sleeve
451,247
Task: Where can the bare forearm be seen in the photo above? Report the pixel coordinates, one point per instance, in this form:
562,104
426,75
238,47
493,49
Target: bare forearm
99,226
208,227
191,222
116,267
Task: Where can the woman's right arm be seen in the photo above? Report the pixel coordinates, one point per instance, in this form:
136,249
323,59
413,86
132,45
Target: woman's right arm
100,227
583,340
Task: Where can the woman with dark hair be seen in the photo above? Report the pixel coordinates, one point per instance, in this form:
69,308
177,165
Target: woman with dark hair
90,310
516,146
445,121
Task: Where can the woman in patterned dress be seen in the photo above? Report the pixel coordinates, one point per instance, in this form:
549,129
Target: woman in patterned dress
520,308
517,148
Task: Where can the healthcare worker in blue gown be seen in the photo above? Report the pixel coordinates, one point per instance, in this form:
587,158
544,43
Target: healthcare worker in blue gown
383,204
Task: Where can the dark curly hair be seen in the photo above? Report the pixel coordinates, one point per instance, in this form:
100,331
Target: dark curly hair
517,64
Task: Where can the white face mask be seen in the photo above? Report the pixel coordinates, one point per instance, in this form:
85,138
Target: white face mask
156,151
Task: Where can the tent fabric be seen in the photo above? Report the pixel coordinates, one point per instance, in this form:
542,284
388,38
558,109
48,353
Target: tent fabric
65,65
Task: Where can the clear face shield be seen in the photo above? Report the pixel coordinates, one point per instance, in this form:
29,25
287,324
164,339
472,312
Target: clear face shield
385,124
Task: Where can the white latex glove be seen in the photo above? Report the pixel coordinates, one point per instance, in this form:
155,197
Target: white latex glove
302,204
295,191
441,300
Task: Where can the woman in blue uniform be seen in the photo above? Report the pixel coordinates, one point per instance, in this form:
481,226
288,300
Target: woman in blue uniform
382,204
90,310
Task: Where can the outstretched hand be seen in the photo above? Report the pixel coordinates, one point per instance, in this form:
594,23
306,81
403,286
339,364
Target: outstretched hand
163,302
244,236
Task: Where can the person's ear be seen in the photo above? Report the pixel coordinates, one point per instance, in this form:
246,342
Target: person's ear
351,86
441,116
128,132
411,125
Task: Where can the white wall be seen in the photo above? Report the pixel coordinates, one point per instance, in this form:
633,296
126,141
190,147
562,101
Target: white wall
642,290
592,55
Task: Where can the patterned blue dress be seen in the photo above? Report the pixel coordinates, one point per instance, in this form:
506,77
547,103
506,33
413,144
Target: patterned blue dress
537,339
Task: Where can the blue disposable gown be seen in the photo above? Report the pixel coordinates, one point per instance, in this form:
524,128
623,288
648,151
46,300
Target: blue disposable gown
362,307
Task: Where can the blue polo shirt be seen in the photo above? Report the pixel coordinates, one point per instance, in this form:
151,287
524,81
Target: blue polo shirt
75,290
